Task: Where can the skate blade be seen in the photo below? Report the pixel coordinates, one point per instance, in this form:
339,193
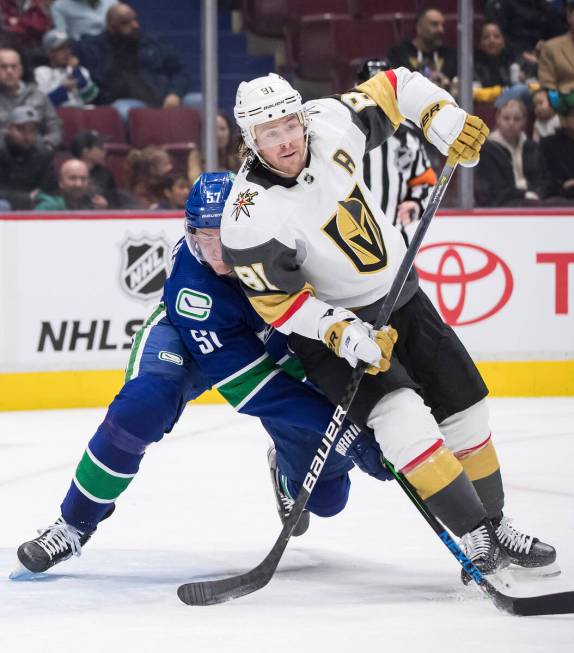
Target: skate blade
21,573
529,573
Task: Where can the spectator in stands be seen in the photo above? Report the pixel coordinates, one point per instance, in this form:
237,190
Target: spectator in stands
25,166
75,193
131,68
79,17
25,20
14,92
547,121
88,146
426,52
148,170
509,168
175,191
525,22
228,156
498,74
64,81
558,161
556,65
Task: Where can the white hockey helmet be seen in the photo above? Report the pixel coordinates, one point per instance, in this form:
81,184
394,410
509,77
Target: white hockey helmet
264,99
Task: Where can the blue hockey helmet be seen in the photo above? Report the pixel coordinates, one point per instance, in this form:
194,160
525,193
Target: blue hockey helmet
206,199
203,211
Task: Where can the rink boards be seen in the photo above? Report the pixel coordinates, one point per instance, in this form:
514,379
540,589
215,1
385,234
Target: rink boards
76,287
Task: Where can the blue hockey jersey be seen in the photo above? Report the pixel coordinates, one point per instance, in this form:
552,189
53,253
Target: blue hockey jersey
247,362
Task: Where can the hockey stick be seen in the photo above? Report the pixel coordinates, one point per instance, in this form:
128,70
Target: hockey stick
559,603
209,592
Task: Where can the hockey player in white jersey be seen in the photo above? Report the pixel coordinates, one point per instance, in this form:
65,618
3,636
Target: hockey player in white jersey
316,256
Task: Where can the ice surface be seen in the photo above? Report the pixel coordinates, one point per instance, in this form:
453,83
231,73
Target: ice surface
374,578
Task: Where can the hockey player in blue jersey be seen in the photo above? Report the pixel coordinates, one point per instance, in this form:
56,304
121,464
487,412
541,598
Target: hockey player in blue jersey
203,334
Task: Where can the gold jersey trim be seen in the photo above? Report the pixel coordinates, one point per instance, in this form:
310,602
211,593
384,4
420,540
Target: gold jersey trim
380,89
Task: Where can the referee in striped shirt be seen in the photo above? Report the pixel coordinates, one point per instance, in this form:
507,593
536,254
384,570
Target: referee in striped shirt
398,173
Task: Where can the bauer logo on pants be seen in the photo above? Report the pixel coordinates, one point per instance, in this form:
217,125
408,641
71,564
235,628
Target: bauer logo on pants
144,266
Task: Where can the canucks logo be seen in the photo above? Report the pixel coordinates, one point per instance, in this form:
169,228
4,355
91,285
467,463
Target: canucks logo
243,201
193,304
356,233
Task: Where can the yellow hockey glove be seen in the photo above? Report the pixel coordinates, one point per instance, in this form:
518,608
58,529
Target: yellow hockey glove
385,339
354,340
455,133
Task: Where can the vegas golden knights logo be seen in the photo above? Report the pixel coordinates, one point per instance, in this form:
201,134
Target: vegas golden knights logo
355,231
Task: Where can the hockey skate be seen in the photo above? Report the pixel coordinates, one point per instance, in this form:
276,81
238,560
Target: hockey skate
482,547
283,498
525,551
56,543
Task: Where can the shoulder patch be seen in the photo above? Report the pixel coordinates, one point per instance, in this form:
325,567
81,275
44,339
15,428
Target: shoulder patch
193,304
242,202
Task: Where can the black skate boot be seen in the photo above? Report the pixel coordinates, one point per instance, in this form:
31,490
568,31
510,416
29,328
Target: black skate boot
525,550
283,498
482,547
55,544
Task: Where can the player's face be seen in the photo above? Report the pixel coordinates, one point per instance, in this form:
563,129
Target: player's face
209,243
281,143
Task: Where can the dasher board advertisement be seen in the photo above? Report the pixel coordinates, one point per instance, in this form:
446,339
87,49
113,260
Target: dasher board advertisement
75,290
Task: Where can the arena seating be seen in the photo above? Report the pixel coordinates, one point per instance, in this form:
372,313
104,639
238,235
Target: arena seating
164,126
269,17
328,43
105,120
369,8
177,130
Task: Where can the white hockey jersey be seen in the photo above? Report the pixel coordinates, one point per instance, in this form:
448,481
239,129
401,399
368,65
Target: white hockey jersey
303,245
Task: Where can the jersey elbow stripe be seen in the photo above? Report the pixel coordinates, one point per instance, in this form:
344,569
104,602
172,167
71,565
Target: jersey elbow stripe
276,309
382,88
295,306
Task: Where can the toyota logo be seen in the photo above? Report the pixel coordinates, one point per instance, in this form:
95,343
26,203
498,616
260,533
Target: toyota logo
471,282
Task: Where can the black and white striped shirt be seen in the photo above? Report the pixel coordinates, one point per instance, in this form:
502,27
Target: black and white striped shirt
399,170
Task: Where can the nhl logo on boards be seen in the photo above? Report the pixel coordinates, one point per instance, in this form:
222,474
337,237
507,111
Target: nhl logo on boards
144,266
